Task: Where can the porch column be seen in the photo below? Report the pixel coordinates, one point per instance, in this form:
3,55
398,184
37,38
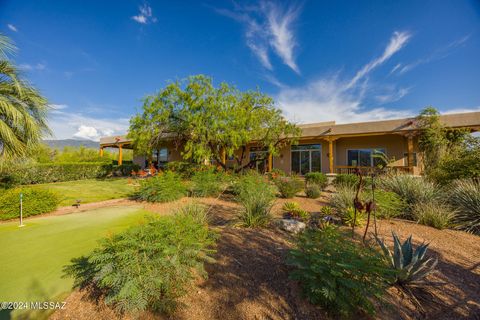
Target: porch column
270,162
101,151
120,155
224,156
410,152
330,155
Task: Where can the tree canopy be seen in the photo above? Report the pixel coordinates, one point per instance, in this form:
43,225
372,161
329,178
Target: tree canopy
208,121
23,110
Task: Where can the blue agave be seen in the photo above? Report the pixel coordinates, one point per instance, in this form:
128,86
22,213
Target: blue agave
412,266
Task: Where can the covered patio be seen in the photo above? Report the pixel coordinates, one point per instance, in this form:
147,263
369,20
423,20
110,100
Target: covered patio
118,142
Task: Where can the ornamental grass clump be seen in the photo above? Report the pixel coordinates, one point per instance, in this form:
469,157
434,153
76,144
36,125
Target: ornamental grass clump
411,189
147,267
163,188
312,191
433,214
464,197
256,196
337,273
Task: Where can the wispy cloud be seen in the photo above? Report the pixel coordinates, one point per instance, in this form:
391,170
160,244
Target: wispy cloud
30,67
268,27
438,54
333,97
397,42
145,15
12,27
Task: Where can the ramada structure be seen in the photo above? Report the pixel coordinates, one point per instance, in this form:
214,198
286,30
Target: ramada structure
327,147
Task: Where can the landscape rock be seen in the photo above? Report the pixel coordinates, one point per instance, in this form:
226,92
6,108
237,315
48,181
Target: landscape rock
291,225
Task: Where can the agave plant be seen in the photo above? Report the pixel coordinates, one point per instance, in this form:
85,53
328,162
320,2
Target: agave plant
412,266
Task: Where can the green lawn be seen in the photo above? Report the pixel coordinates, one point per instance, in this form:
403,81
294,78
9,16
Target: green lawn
89,190
32,257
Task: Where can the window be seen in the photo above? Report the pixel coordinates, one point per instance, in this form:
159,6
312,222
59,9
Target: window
306,158
259,153
405,159
364,157
159,158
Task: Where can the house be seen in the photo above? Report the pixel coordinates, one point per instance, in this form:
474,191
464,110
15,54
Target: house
329,147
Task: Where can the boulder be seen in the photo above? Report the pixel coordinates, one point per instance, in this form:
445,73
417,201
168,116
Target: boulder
291,225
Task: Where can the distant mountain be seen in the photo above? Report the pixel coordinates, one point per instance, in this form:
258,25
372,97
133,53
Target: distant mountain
59,144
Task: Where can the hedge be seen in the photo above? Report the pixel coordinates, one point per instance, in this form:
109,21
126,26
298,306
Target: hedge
56,172
35,201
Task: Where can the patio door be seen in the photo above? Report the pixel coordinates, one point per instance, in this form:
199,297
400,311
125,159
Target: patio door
306,158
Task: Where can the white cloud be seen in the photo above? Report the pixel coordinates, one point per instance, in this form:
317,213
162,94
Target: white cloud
145,15
334,98
12,27
57,107
269,26
30,67
438,54
397,42
66,125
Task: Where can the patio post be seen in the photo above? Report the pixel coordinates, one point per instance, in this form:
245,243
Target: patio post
410,153
120,155
101,151
330,155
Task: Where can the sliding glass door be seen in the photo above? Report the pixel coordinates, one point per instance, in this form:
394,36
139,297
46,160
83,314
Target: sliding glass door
306,158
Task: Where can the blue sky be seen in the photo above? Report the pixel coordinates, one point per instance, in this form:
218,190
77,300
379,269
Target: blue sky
321,60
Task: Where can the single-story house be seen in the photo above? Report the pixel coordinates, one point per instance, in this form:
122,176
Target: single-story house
329,147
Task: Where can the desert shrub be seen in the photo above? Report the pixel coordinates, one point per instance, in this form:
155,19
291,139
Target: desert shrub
292,210
411,189
289,186
349,218
464,197
342,199
318,178
433,214
290,206
35,201
326,210
336,273
411,266
275,173
312,191
185,169
345,180
207,184
256,195
35,173
162,188
125,169
146,267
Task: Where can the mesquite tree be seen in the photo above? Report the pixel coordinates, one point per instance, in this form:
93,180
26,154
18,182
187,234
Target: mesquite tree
208,122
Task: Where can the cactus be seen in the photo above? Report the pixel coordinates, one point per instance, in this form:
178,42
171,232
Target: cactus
412,266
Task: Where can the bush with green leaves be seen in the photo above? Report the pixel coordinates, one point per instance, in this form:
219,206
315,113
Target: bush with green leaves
147,267
337,273
185,169
464,197
289,186
35,201
317,178
434,214
350,218
207,183
162,188
411,189
388,204
35,173
411,266
256,196
312,191
345,180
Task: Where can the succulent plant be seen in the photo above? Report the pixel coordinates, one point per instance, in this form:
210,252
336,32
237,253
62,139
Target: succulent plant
291,206
412,266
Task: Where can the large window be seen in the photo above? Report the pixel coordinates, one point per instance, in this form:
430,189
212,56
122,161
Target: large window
306,158
364,157
405,159
159,158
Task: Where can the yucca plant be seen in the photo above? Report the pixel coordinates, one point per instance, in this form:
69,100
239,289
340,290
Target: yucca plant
412,266
464,196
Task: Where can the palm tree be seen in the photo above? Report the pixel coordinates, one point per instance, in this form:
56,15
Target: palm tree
23,110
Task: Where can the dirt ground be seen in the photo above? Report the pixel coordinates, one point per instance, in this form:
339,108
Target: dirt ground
250,280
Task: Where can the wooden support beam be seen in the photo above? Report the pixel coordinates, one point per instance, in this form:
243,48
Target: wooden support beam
120,155
224,156
410,152
101,151
270,162
330,156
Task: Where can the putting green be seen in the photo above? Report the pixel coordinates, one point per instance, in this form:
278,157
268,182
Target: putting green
32,257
